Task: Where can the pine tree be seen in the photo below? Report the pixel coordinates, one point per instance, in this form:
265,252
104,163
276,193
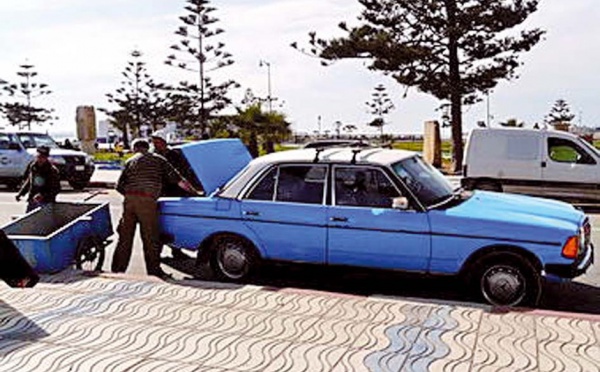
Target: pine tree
452,49
139,100
380,106
204,98
21,112
560,113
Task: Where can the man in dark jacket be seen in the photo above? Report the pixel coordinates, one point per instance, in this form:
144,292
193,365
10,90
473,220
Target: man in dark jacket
141,183
178,162
42,181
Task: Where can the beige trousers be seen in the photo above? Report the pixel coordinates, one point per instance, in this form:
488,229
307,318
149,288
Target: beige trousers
142,210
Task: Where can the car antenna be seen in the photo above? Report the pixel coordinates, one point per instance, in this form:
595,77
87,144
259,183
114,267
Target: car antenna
354,153
319,151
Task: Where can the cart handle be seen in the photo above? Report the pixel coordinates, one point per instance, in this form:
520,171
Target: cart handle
94,194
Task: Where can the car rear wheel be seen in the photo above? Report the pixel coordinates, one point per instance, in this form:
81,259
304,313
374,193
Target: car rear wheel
507,279
233,258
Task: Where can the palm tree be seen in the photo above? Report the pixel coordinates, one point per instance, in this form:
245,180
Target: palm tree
256,127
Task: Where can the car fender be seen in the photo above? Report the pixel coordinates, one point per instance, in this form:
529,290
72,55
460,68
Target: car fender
190,223
476,256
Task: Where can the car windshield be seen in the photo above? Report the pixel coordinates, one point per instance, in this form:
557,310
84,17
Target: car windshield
591,147
34,140
426,182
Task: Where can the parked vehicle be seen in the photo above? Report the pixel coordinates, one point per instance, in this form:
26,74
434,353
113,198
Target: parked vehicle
536,162
17,149
370,207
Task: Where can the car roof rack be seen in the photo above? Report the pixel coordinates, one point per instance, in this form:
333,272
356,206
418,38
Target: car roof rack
318,150
354,153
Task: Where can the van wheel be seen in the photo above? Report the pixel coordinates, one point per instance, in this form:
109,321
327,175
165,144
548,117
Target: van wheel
488,186
233,258
507,279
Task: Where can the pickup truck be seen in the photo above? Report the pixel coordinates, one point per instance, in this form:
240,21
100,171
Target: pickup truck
17,149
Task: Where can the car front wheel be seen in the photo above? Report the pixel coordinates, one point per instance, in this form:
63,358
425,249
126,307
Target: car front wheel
233,258
508,279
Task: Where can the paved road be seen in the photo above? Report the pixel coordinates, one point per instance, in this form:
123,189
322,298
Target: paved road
581,295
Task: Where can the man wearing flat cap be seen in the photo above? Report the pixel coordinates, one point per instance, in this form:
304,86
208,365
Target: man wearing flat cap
42,181
141,183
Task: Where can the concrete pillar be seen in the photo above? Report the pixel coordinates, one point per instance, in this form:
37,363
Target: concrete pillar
432,144
562,125
86,128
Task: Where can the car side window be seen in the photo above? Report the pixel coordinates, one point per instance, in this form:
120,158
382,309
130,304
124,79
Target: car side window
565,151
5,141
363,187
301,184
265,188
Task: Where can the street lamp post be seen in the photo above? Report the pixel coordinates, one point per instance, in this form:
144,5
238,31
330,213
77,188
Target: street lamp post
269,97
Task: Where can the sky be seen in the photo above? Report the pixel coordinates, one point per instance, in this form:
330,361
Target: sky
79,48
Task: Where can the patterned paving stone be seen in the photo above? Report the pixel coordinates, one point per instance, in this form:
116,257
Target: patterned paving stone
507,342
153,365
113,323
560,356
306,357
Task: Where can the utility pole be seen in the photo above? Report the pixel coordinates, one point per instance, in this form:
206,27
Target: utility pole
488,110
269,97
319,123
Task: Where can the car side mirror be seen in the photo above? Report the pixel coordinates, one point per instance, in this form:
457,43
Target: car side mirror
400,203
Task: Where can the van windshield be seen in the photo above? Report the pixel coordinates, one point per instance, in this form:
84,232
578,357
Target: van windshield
426,182
591,148
34,140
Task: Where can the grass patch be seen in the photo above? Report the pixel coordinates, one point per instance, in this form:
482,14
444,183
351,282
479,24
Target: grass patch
111,157
418,146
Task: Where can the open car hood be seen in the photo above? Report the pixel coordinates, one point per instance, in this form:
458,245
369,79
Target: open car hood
215,162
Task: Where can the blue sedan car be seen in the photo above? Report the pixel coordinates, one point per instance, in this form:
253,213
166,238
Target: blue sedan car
371,207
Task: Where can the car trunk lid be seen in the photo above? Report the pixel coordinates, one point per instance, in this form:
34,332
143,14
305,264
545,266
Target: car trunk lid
214,162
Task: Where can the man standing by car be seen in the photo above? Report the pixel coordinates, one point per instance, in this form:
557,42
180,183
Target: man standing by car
177,161
42,181
141,183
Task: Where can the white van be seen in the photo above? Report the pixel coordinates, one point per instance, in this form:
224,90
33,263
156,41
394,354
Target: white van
536,162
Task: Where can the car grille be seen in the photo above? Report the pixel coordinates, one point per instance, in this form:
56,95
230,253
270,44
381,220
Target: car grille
74,160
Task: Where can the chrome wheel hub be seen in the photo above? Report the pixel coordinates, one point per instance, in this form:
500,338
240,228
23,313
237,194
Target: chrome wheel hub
233,261
503,285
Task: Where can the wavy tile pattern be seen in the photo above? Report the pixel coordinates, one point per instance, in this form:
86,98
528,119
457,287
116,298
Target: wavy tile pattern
72,322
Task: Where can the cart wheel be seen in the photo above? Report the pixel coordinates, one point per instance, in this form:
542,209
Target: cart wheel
90,254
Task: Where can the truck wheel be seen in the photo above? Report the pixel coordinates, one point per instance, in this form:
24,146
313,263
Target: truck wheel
488,186
233,258
507,279
89,255
78,184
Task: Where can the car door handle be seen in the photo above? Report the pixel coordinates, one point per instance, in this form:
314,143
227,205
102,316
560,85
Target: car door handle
339,219
251,213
